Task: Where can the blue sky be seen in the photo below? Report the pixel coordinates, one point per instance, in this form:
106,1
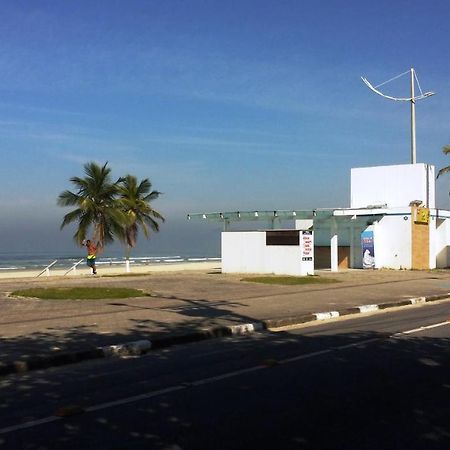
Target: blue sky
236,105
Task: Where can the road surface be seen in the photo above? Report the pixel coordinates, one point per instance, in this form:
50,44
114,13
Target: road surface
374,382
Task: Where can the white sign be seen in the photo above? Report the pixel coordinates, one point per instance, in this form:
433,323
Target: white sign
307,245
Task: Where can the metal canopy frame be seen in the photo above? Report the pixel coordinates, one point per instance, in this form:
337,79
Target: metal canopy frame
319,215
332,219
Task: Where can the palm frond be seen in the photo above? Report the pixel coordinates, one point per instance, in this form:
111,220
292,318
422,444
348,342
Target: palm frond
68,198
71,217
112,209
443,171
446,151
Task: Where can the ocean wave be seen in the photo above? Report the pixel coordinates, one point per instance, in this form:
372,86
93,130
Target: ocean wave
66,263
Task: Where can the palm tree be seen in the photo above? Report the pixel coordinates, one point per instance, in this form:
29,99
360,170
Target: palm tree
96,205
446,150
135,202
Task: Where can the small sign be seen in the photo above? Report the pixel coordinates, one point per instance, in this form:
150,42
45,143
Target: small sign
422,215
368,249
307,245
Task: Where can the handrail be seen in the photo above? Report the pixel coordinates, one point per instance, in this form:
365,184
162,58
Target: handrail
74,267
47,269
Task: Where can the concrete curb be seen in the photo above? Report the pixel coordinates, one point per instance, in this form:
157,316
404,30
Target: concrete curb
137,348
298,320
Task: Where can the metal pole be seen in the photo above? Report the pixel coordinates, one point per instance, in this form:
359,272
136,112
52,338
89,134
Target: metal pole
47,269
413,120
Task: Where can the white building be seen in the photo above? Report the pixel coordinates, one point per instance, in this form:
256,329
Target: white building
392,222
395,205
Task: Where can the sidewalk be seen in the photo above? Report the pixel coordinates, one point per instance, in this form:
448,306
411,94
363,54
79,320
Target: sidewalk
184,306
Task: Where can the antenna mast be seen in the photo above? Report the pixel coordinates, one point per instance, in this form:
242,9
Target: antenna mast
411,99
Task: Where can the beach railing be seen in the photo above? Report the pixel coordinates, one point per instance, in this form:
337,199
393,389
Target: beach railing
74,267
47,269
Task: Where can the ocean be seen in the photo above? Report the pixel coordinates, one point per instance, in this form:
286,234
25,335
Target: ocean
36,261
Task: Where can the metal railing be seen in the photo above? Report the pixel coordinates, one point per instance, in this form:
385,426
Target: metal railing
47,269
74,267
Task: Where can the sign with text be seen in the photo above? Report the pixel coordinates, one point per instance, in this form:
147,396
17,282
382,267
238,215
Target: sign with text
307,245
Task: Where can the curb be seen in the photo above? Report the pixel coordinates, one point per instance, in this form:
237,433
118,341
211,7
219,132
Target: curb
137,348
298,320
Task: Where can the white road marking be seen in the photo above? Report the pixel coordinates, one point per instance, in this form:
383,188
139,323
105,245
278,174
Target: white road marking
30,424
427,327
227,375
134,398
307,355
357,344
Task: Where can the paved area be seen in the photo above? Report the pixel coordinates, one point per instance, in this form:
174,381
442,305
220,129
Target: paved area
181,302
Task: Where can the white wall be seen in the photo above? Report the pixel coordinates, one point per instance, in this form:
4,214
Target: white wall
247,252
442,243
392,237
433,242
395,186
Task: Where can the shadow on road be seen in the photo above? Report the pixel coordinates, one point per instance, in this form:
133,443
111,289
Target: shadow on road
384,393
56,339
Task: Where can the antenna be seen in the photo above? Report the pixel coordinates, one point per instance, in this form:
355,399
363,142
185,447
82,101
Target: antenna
411,99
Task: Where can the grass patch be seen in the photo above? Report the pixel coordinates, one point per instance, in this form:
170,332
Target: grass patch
79,293
290,281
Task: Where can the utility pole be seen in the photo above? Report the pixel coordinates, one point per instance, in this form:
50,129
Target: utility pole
411,99
413,121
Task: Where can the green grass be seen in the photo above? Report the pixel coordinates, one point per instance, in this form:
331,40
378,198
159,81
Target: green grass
79,293
290,281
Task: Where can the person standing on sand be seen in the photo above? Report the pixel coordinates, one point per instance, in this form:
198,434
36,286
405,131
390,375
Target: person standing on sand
91,254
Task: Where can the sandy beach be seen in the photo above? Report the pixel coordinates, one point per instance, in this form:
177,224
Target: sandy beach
116,269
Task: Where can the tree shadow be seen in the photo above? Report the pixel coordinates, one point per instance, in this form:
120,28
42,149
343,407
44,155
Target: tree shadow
358,390
200,315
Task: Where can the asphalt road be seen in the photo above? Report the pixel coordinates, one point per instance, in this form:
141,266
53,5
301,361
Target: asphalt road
375,382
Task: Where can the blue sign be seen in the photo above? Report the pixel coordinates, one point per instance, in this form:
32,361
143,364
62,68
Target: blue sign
368,249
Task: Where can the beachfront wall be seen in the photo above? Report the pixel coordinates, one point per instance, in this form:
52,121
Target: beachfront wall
253,252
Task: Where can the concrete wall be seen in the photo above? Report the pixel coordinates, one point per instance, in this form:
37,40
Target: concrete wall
395,186
433,247
247,252
392,237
